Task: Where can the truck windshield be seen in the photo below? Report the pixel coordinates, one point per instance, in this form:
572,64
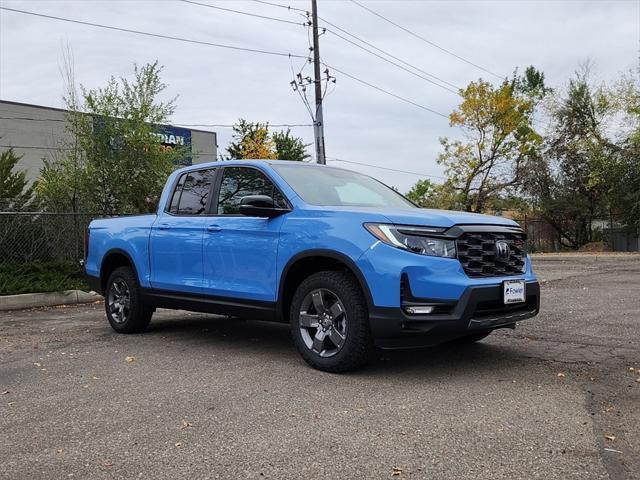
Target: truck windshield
336,187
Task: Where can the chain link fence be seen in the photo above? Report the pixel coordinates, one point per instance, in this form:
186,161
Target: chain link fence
608,234
27,237
40,251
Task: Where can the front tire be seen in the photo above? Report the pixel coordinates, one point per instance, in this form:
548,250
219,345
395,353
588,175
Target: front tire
123,302
330,322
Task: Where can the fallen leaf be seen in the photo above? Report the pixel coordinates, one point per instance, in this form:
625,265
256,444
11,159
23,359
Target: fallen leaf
6,392
610,437
403,433
130,359
395,471
185,424
107,464
178,445
610,408
631,369
561,374
37,364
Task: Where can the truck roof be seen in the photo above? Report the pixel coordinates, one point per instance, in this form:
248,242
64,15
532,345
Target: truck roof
254,162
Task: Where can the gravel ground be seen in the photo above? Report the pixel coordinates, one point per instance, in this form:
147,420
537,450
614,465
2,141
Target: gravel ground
201,396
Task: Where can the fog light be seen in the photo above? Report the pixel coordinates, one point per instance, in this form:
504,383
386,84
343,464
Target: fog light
419,309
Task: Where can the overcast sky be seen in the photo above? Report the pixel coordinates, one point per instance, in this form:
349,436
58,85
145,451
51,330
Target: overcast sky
218,85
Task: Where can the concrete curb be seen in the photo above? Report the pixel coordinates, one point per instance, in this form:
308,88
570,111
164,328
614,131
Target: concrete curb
33,300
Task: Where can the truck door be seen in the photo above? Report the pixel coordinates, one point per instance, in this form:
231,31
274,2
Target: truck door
175,243
240,251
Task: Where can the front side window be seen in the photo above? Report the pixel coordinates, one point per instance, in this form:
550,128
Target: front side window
240,182
192,192
329,186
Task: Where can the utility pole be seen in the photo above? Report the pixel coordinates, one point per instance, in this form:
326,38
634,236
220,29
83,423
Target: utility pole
318,127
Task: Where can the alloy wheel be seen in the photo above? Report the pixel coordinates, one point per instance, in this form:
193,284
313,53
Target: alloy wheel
119,300
323,322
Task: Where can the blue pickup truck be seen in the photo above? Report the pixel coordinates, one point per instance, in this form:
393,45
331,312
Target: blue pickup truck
348,262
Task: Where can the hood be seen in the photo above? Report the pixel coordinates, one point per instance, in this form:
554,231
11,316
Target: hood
440,218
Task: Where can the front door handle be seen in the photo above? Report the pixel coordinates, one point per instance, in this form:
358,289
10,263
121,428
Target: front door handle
214,228
164,226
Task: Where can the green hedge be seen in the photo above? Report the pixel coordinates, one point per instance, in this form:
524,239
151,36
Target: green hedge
41,277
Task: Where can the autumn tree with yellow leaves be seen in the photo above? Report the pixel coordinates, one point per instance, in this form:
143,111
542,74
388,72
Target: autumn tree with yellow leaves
254,141
499,140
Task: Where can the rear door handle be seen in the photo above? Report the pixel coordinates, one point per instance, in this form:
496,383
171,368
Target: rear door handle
214,228
164,226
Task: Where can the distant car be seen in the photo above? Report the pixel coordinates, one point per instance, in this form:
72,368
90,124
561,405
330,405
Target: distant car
348,262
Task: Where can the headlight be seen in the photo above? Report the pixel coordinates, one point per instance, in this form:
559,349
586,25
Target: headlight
419,240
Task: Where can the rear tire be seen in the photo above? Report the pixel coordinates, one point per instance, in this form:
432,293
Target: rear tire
330,322
123,302
473,338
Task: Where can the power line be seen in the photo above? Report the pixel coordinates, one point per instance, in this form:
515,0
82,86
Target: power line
388,54
228,125
288,7
176,124
372,46
380,89
265,17
396,64
157,35
386,168
433,44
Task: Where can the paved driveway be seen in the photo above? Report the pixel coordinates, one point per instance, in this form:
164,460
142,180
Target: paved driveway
201,396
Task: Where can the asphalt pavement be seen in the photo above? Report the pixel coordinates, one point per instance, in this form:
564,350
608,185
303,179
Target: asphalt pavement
201,396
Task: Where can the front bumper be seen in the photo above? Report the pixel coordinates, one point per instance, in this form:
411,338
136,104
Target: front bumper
480,308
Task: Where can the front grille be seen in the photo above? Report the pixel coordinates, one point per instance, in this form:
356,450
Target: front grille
478,256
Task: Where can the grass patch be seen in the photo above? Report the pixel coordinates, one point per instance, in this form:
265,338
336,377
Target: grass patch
41,277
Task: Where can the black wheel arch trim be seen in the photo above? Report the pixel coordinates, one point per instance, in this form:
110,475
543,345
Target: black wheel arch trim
117,251
333,254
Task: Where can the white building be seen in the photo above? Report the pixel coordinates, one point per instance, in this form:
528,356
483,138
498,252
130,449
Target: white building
36,133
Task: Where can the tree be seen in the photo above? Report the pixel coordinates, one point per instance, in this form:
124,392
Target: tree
428,194
289,147
252,140
624,174
118,165
500,139
14,189
571,182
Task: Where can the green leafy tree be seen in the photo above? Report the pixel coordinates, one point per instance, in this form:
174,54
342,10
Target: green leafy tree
117,164
253,140
289,147
500,139
428,194
14,189
571,181
624,174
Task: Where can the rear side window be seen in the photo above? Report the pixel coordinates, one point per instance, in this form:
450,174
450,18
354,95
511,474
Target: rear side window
175,198
192,193
239,182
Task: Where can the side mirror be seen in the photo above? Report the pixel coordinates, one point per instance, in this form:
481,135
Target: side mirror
260,206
